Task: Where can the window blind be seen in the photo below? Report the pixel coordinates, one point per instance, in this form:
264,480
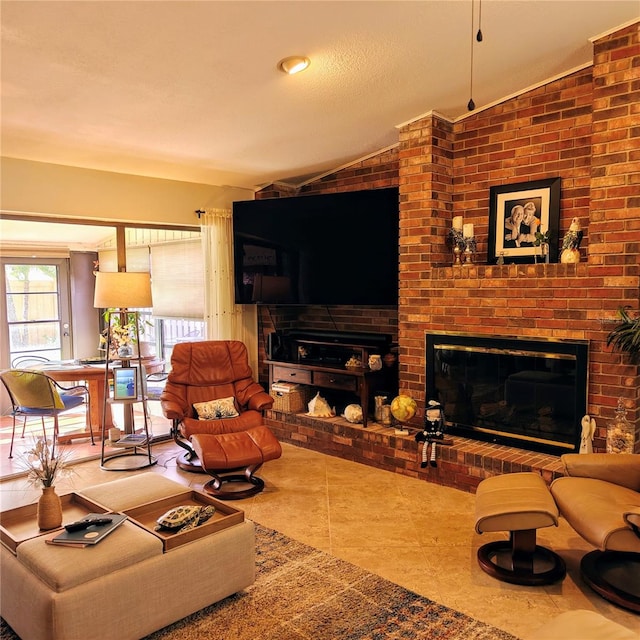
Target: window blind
137,259
177,279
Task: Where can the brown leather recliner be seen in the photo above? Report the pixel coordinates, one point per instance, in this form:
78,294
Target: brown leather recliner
202,372
600,498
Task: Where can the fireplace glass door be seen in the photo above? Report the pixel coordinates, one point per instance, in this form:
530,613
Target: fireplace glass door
528,393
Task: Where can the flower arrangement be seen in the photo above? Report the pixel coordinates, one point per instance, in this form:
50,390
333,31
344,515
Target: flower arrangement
470,244
43,466
456,239
121,336
542,241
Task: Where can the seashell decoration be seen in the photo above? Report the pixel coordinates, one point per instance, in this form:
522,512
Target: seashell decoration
319,407
353,413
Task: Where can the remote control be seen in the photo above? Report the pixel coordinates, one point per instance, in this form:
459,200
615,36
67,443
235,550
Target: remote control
86,523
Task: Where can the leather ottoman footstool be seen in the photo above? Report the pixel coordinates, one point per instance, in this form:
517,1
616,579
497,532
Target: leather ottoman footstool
222,453
519,503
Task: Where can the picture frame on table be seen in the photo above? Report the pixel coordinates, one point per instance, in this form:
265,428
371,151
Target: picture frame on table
516,212
125,383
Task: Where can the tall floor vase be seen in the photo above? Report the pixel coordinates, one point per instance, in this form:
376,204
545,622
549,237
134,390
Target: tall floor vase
49,509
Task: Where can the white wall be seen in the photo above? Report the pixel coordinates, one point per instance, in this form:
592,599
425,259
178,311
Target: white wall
41,188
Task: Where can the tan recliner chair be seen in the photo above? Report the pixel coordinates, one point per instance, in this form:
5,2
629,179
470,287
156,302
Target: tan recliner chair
600,498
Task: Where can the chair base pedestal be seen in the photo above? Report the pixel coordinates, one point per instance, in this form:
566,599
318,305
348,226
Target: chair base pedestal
127,461
517,563
615,576
189,462
218,487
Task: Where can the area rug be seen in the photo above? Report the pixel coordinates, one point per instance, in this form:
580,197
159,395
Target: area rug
302,593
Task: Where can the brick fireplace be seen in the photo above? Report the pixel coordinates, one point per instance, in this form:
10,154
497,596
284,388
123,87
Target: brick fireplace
583,128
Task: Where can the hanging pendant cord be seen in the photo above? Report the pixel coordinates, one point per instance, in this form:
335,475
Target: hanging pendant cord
471,105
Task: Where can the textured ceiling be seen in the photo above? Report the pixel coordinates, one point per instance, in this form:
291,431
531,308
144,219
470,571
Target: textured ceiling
190,90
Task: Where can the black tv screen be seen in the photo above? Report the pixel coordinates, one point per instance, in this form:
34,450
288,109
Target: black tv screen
319,250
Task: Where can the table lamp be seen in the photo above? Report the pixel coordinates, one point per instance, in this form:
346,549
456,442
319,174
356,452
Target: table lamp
122,290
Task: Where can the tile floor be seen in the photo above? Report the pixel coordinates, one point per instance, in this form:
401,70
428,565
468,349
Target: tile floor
413,533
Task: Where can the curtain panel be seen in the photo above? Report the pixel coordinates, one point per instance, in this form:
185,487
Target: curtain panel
225,320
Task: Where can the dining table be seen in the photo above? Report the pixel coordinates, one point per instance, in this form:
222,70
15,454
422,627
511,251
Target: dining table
93,374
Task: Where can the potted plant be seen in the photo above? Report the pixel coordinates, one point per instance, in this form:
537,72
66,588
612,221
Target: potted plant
626,335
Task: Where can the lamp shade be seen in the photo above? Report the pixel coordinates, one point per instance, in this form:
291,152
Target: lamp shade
122,290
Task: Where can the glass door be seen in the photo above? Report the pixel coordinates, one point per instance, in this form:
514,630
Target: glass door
35,313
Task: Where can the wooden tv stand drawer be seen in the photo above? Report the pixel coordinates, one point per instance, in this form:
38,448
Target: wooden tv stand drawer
288,374
335,381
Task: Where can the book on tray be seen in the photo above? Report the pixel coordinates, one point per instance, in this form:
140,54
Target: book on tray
84,532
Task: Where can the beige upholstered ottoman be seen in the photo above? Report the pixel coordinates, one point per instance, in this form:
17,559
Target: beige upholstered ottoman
519,503
126,586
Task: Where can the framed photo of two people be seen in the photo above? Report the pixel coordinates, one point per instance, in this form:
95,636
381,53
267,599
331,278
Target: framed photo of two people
516,213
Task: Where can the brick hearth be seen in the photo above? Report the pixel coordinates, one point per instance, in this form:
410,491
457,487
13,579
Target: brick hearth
462,465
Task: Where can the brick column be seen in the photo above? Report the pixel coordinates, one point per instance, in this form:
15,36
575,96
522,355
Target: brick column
614,227
426,195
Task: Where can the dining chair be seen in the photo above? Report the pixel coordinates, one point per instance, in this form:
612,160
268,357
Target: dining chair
35,394
27,361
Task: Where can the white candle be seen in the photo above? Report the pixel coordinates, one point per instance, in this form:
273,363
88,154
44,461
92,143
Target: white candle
467,230
457,223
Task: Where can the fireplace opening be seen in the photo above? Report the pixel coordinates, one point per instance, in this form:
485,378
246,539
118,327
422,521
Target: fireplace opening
524,392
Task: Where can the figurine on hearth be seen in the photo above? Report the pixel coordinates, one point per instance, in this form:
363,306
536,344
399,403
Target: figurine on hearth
571,243
588,431
434,426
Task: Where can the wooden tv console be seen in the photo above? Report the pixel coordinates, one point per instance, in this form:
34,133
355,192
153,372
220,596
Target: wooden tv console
318,359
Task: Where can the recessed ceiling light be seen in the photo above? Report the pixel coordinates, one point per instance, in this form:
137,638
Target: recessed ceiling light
293,64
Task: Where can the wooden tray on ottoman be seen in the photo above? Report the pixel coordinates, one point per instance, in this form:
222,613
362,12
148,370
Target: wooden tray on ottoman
145,516
20,524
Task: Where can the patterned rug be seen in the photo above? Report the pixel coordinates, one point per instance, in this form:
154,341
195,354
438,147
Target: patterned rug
302,593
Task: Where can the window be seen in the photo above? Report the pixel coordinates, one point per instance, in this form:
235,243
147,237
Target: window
36,308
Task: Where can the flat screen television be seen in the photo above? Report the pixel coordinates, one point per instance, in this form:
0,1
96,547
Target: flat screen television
332,249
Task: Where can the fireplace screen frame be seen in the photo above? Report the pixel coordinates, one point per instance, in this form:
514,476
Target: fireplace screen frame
555,353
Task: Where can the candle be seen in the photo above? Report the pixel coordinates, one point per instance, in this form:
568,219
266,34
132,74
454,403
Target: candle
467,230
457,223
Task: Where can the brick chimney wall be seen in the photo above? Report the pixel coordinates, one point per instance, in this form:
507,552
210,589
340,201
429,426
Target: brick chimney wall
583,128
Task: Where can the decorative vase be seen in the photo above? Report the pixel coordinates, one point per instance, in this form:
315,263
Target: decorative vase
126,351
49,509
389,359
379,403
570,256
147,349
620,434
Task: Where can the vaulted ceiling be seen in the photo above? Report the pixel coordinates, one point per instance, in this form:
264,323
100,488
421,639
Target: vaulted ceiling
189,90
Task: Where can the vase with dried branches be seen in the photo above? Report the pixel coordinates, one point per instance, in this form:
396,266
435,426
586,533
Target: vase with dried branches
44,467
